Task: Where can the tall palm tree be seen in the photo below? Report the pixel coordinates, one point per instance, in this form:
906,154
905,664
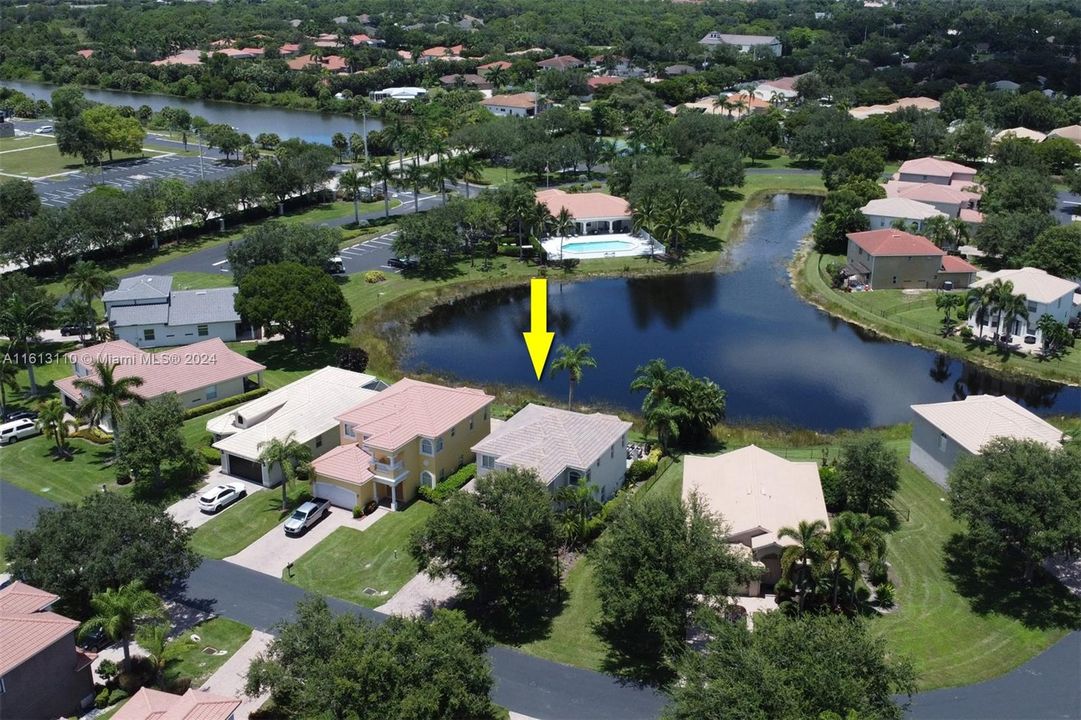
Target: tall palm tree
353,182
467,167
1007,304
396,132
340,143
656,379
804,553
384,174
574,361
665,418
356,146
722,101
288,453
947,302
413,176
9,380
644,216
843,550
90,280
52,421
563,225
21,321
104,394
978,304
497,76
438,174
154,639
673,226
119,611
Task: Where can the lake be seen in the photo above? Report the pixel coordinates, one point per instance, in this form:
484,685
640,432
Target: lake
251,119
779,358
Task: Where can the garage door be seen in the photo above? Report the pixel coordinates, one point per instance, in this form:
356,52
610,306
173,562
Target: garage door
247,469
338,496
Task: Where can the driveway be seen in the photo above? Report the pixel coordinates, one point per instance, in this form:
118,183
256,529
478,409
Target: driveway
187,510
420,596
272,552
229,679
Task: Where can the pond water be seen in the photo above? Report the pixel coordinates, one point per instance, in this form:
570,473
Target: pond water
779,358
251,119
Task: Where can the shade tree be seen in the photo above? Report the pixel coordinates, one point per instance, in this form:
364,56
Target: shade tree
302,302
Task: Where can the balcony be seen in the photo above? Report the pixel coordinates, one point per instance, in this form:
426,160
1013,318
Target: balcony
391,469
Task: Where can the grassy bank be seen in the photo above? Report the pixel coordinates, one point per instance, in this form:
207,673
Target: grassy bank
913,318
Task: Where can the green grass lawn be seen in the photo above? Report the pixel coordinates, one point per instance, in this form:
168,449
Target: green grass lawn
43,161
4,542
189,660
913,318
350,560
25,141
201,280
571,639
495,176
334,210
234,529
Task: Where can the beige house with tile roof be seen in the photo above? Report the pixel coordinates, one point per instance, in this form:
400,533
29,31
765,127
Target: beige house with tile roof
942,433
150,704
563,447
757,493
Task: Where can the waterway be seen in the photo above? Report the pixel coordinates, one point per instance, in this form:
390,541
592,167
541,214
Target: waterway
251,119
779,358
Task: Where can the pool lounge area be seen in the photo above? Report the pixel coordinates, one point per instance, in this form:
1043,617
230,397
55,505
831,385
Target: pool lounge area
592,247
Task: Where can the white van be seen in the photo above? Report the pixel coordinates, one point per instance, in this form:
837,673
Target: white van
17,430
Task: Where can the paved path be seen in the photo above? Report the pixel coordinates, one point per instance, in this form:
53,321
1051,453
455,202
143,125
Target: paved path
420,596
187,509
229,679
272,552
18,508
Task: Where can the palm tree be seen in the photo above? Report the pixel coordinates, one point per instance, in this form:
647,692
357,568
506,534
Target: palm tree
978,304
497,76
644,216
578,503
947,302
289,454
722,101
52,421
251,154
154,639
414,176
804,553
356,146
467,167
843,550
673,224
563,225
90,280
656,379
340,143
119,611
9,380
664,418
352,182
396,132
538,220
104,394
1007,304
384,174
21,321
574,361
80,314
438,174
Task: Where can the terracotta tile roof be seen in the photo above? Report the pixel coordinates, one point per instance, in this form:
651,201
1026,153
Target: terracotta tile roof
333,63
148,704
411,408
954,264
26,628
549,440
85,53
978,419
934,167
1070,132
359,39
439,51
602,81
524,100
971,216
19,598
583,206
889,242
179,370
501,64
348,463
184,57
289,48
560,62
926,192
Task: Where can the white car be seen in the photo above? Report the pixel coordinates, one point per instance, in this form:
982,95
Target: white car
221,496
17,430
44,130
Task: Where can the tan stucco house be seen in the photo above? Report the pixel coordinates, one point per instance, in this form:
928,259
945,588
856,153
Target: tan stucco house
889,259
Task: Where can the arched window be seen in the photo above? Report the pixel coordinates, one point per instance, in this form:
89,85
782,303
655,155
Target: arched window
427,479
425,446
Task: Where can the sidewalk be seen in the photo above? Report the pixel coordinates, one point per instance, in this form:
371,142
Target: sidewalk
229,679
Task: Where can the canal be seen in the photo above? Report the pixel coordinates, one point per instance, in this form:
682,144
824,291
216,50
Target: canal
779,358
251,119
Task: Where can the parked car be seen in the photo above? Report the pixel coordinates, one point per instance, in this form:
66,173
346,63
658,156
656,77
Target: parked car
402,263
20,415
69,330
306,516
221,496
335,265
17,430
44,129
95,640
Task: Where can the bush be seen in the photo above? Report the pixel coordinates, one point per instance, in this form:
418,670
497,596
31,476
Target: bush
374,276
370,507
93,434
140,673
211,455
352,358
108,669
357,511
884,595
451,485
862,594
569,264
101,700
180,685
640,471
832,488
226,403
878,573
966,332
117,695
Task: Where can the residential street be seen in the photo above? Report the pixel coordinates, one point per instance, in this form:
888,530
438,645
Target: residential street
550,691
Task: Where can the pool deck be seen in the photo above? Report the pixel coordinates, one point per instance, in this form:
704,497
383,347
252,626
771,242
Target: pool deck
636,248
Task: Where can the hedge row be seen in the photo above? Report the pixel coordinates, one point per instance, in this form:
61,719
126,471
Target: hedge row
225,403
451,485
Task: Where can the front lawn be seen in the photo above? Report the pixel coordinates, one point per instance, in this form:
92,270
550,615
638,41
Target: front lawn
571,638
43,161
349,561
246,521
189,660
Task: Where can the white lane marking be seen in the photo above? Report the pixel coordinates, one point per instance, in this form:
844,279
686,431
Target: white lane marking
220,262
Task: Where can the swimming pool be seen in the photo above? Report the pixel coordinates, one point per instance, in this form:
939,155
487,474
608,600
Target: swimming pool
600,246
577,248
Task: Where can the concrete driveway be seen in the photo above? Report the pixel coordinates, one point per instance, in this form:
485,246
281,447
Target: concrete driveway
272,552
187,510
230,677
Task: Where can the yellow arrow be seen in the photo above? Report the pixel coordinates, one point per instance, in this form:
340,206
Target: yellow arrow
538,340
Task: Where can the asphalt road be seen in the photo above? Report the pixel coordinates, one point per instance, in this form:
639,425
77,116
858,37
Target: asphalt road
1048,686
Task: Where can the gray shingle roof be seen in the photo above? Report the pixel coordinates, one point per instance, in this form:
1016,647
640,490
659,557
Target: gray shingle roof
129,315
140,287
185,307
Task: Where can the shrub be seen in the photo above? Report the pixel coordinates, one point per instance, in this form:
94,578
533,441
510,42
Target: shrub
180,685
108,669
93,434
878,573
357,511
370,507
640,471
211,455
374,276
863,594
966,332
117,695
352,358
101,700
569,264
832,488
884,595
451,485
225,403
138,674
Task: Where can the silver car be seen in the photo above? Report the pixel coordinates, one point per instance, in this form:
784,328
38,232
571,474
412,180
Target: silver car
221,496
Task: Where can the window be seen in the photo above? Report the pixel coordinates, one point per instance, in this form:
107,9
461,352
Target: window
942,441
487,462
429,446
212,392
1032,307
148,334
349,430
612,451
470,423
438,444
319,441
452,430
894,279
202,330
427,479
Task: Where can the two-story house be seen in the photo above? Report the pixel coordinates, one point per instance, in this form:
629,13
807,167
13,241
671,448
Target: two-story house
894,259
754,44
934,170
146,312
411,434
563,447
43,675
1045,294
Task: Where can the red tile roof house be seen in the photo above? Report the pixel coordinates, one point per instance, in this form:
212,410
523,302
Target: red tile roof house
488,67
467,80
893,259
933,170
331,63
593,212
86,53
560,62
411,434
441,53
523,104
199,373
148,704
43,675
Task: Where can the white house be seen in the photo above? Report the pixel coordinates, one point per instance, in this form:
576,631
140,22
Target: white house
146,312
523,104
306,408
1020,133
744,43
882,213
563,447
401,94
942,433
1045,293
